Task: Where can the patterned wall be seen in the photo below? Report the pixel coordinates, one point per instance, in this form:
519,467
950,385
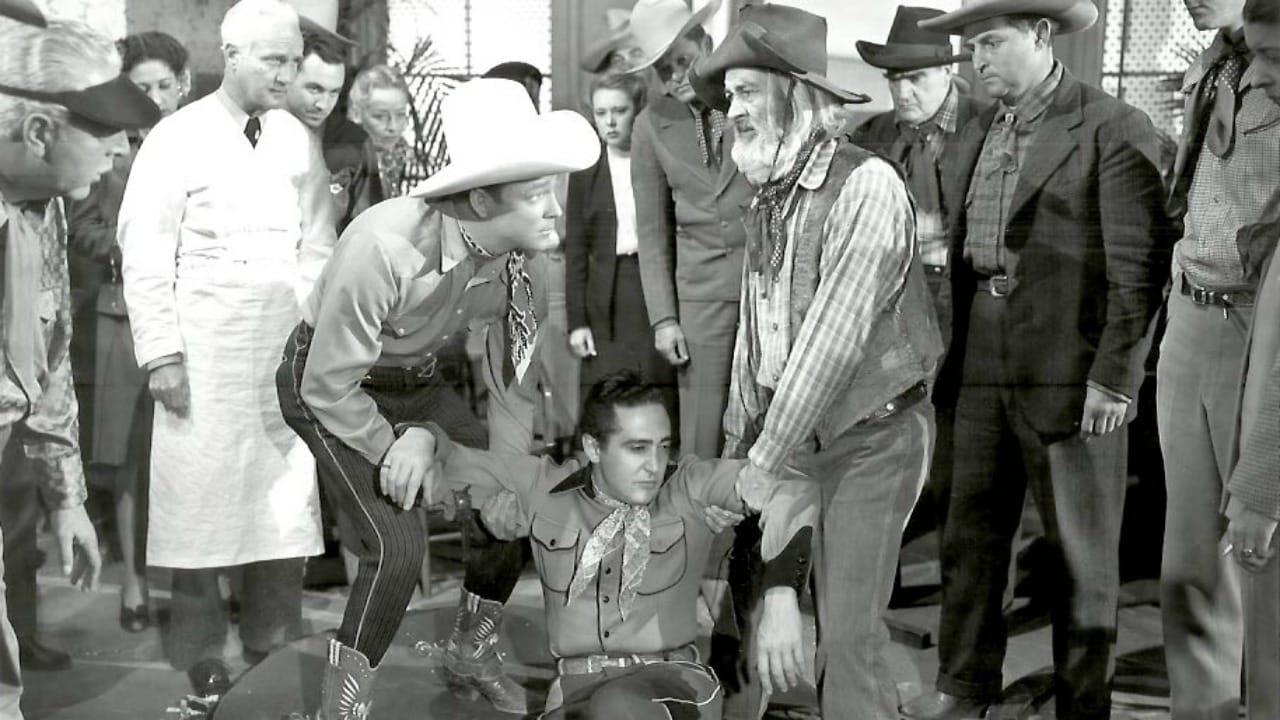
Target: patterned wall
1148,45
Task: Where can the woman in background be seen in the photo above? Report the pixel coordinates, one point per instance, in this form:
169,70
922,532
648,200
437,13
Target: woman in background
374,171
115,407
609,324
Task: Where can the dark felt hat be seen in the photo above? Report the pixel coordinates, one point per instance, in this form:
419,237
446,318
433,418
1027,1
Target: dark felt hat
772,37
109,107
909,47
23,11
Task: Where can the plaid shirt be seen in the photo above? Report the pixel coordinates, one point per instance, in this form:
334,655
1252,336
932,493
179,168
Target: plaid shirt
1228,193
37,280
931,228
996,176
869,238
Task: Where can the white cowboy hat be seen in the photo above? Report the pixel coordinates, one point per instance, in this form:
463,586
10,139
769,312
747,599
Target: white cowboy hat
320,17
596,57
1071,15
495,135
657,24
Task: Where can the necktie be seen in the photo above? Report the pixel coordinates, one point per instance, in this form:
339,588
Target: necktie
920,163
1220,135
710,126
628,527
253,130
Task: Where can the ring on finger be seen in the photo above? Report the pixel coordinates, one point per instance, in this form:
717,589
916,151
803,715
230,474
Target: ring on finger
1247,552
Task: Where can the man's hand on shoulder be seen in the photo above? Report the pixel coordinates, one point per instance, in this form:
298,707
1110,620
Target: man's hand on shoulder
408,468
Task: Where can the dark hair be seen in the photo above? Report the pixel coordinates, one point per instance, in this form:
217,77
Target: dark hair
630,83
327,49
518,71
623,389
1262,11
152,45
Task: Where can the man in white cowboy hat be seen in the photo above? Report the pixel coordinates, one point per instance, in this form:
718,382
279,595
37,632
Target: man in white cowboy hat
1224,175
836,347
225,224
409,275
1058,261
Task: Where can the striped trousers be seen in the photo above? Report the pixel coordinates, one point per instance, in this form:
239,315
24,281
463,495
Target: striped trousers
388,541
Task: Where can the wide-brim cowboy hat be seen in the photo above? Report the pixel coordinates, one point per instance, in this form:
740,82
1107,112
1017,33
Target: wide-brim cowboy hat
320,17
657,24
495,135
1070,15
24,11
105,108
910,47
595,59
773,37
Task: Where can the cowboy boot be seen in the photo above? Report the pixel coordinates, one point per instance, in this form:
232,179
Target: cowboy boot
471,661
346,692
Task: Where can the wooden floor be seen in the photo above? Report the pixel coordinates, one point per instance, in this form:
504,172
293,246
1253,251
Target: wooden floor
123,676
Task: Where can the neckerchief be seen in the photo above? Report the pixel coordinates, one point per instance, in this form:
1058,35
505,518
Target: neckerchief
920,165
522,318
768,210
708,119
1224,96
391,164
628,527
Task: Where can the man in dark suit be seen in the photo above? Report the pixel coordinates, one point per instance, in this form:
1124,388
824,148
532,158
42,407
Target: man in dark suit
1058,262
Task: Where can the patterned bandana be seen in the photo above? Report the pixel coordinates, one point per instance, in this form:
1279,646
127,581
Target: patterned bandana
708,119
626,527
768,243
522,318
1224,97
391,164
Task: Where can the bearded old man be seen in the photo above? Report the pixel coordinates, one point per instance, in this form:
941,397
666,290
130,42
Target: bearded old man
837,342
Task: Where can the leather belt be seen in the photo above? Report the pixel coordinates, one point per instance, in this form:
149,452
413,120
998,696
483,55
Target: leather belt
906,399
997,286
400,378
1241,297
589,664
934,269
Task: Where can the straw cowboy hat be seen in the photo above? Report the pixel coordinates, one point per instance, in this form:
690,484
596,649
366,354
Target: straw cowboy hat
24,11
1071,15
774,37
595,59
321,18
657,24
495,135
909,47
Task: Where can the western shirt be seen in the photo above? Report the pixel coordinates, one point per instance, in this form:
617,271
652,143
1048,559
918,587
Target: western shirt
36,389
996,176
559,509
400,286
870,233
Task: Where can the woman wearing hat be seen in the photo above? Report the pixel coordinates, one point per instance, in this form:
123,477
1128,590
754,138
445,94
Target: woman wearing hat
409,275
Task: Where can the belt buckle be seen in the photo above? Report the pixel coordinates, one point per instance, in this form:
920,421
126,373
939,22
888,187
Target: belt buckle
994,284
426,371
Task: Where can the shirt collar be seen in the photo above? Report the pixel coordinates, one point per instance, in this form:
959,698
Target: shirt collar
1038,99
815,172
237,113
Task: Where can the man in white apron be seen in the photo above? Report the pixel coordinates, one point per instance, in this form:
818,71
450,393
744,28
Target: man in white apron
225,225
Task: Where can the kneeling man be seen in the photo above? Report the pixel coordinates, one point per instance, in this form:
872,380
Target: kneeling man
619,543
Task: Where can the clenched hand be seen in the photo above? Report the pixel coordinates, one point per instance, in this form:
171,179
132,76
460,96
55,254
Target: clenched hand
168,385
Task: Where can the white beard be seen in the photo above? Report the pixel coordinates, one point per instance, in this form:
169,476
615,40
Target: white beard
760,159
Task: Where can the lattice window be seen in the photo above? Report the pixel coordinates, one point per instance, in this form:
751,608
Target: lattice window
1148,46
438,44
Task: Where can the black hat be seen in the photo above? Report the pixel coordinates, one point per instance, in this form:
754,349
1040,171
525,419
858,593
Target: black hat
773,37
909,47
113,106
23,11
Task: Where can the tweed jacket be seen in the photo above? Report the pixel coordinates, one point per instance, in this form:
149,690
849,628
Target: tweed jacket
689,221
1089,227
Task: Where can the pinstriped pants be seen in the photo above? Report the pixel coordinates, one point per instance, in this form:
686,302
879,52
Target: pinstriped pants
388,541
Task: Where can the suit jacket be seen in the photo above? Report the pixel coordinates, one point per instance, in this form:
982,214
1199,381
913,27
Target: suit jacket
689,221
881,132
1088,224
590,248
